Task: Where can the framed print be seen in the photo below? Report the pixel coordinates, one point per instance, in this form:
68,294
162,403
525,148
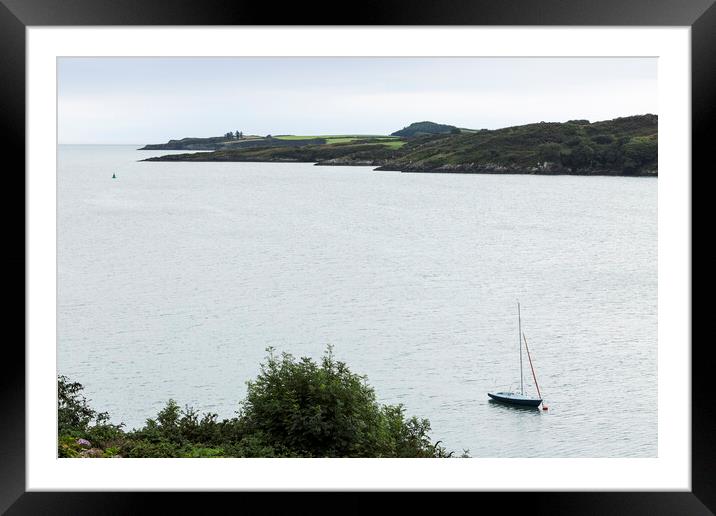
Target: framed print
431,249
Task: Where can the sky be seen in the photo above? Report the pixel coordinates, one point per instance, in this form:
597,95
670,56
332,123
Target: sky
138,100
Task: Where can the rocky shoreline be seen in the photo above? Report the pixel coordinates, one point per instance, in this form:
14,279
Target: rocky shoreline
385,165
486,168
473,168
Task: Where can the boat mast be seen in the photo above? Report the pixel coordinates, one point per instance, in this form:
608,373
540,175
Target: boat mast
519,321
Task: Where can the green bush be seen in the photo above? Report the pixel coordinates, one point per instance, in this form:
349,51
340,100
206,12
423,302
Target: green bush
73,413
327,411
68,447
148,449
201,452
294,408
76,419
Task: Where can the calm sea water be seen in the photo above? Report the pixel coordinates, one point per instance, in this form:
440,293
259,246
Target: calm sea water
175,277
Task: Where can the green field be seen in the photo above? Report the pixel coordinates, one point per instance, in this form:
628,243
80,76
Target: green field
393,142
294,137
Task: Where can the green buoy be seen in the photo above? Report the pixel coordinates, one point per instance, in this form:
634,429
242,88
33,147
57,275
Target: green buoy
114,176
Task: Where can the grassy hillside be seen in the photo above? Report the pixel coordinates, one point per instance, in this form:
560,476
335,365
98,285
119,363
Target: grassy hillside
623,146
620,146
338,138
354,152
222,142
418,128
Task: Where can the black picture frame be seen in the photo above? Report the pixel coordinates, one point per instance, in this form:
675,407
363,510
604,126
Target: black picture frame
16,15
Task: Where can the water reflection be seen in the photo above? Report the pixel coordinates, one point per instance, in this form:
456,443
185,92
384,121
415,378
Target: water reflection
517,408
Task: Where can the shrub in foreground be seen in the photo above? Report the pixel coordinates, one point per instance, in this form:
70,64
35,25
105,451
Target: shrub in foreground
325,410
294,408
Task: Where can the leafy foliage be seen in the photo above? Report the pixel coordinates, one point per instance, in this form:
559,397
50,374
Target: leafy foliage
77,420
327,411
73,412
640,151
68,447
294,408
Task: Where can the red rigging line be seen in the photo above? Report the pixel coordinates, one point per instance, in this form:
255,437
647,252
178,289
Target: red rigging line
531,367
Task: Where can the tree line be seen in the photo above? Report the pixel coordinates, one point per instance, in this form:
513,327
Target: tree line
236,135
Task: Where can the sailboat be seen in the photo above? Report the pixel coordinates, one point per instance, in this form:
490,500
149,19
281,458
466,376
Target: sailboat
520,398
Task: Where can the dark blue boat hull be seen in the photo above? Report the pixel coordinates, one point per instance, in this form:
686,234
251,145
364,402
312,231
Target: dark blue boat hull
515,400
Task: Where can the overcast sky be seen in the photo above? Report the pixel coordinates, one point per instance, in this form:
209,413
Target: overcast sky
152,100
